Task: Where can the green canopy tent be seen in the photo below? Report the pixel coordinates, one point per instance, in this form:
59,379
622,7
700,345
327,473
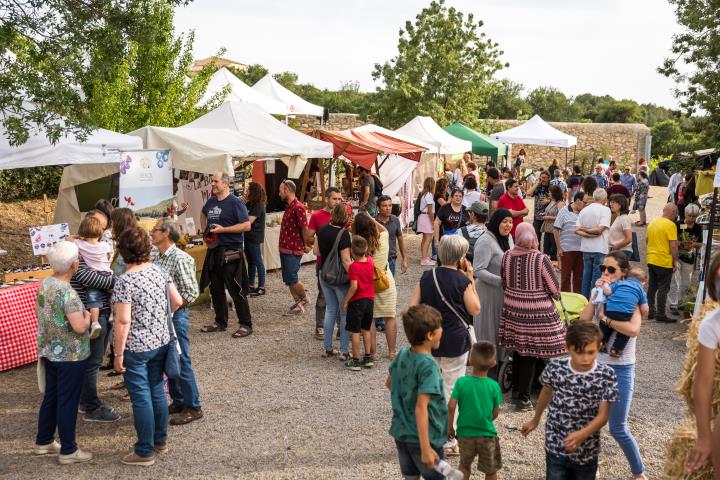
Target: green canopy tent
481,144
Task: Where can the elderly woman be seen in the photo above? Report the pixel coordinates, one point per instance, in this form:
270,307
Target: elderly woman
529,323
614,267
641,197
63,349
690,240
620,234
142,337
568,244
450,289
487,260
385,303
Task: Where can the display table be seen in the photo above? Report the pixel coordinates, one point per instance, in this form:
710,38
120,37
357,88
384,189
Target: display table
18,326
271,249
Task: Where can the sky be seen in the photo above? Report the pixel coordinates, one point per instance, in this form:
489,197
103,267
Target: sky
601,47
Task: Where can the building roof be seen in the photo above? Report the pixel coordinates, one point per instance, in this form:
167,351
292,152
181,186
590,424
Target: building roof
219,61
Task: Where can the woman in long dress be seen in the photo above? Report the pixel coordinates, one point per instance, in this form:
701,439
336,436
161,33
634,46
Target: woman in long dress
487,263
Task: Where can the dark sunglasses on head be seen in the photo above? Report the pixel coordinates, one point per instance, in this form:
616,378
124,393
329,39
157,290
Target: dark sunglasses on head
610,270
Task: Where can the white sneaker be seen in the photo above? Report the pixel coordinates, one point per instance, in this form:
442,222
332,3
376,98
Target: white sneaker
95,330
53,448
78,456
428,262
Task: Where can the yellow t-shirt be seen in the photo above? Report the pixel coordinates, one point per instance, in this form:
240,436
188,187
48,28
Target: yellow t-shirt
659,234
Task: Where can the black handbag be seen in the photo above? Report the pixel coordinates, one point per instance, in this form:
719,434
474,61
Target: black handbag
232,256
172,359
333,271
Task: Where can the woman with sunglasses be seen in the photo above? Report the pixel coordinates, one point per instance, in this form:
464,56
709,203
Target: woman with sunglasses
615,267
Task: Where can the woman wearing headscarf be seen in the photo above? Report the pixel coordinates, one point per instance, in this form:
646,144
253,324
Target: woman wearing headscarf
487,261
529,323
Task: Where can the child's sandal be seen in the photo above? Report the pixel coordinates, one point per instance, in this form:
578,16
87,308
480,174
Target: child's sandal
343,356
329,353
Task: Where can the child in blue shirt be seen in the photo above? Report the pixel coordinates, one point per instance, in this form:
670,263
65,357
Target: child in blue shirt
620,300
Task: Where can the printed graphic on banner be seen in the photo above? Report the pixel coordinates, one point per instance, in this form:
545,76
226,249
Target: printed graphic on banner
146,182
43,238
193,189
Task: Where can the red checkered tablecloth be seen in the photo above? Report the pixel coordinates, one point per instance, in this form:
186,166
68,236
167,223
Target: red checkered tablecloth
18,326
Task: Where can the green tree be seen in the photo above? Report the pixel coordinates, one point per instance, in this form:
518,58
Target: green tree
506,102
666,138
251,74
619,111
150,86
444,68
694,62
552,105
44,49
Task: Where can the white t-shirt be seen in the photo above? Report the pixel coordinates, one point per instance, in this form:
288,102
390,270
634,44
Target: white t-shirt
595,215
426,200
470,198
617,231
709,334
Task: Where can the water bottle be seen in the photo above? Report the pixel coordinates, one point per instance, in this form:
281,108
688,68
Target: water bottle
446,469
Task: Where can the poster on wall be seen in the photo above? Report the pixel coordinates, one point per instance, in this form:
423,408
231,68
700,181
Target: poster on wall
239,184
193,189
43,238
146,182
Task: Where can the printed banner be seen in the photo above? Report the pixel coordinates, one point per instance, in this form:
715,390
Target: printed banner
146,182
193,189
44,237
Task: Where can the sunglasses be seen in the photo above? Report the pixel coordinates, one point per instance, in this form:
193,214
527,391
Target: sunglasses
611,270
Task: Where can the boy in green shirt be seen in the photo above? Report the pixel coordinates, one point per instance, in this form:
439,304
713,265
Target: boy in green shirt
419,423
479,399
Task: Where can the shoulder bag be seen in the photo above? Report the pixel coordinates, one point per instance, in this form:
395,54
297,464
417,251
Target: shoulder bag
381,282
172,359
332,271
468,326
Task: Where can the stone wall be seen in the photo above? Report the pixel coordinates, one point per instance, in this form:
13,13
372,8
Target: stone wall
623,142
337,121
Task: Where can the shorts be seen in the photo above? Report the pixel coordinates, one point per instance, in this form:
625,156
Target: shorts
487,449
290,266
359,315
410,464
94,298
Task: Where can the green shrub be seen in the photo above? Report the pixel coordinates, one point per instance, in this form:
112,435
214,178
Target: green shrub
27,183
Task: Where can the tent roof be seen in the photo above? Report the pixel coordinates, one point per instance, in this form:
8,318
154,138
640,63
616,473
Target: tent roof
251,121
425,128
371,127
240,92
100,146
269,87
208,150
536,131
481,144
363,147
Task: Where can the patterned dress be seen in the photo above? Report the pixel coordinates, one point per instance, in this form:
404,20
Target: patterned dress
529,322
641,194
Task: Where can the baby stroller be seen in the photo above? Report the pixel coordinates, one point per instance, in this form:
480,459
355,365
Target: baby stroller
569,306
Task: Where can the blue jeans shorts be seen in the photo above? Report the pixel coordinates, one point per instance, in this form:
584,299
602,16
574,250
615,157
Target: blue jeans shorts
410,463
290,266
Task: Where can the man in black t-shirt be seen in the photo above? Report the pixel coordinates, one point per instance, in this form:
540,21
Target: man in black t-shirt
574,182
540,191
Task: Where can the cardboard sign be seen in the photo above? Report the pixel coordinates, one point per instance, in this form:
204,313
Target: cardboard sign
43,238
146,182
193,188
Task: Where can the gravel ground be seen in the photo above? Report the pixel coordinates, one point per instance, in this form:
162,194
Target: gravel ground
275,410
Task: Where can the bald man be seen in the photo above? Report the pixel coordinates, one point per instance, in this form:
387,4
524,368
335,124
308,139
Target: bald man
662,260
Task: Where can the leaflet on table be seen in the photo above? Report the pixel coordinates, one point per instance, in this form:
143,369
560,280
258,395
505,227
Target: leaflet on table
44,237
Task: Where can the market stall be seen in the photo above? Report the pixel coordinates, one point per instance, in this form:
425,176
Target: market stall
240,92
481,144
536,131
296,105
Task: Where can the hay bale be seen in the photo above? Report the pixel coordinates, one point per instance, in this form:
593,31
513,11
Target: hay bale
676,452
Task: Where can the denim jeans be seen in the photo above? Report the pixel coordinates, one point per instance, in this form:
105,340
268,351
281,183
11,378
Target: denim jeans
560,468
184,390
591,271
144,382
255,263
59,408
410,464
94,298
618,421
334,295
89,400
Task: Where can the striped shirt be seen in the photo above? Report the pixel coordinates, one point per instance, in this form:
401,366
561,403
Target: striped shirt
181,268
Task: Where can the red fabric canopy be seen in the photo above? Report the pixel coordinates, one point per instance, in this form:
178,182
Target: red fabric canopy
362,148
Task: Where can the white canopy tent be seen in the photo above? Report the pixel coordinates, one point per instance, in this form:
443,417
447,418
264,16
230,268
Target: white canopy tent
240,92
425,129
251,121
536,131
100,146
269,87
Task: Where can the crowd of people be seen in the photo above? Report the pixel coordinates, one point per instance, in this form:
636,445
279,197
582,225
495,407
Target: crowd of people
488,300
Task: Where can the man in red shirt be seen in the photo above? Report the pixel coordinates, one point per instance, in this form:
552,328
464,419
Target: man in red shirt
616,187
319,219
511,201
293,231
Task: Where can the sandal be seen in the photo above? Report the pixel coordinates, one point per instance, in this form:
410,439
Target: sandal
242,332
343,356
256,292
212,328
329,353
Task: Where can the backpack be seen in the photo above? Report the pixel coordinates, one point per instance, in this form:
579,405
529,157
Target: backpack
378,186
332,271
471,251
416,212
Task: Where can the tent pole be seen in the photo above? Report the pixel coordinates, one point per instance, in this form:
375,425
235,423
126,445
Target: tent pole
566,157
304,180
322,175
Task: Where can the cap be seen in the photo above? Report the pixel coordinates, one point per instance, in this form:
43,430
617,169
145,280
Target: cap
480,208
